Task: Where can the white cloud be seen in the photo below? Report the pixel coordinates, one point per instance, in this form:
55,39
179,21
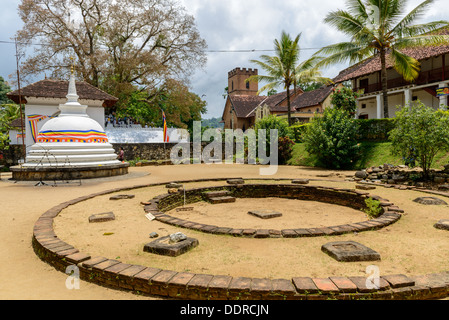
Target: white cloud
235,25
254,24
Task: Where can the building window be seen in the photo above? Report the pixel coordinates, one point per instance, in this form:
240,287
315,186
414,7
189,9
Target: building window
414,98
363,106
364,84
247,85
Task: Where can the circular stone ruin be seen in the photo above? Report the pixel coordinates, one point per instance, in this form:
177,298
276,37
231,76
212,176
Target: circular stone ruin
150,280
226,194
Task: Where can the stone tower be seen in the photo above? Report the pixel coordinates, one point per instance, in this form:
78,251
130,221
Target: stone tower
237,84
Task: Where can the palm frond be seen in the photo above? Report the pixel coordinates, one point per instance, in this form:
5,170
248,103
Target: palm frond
356,8
422,41
422,29
345,22
412,16
343,52
269,86
405,65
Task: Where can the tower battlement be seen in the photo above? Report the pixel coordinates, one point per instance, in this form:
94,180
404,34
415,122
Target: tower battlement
237,81
242,71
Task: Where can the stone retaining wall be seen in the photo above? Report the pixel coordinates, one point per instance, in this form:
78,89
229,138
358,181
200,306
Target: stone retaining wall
133,151
184,285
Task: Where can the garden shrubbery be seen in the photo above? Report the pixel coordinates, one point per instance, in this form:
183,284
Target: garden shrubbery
332,139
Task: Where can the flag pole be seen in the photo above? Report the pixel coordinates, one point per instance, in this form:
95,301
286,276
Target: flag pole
164,128
22,120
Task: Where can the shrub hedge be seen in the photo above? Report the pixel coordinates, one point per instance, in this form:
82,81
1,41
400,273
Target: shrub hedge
369,129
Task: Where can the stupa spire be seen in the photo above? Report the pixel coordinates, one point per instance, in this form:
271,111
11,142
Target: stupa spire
72,97
72,107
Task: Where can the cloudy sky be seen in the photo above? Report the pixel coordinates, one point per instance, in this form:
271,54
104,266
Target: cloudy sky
234,25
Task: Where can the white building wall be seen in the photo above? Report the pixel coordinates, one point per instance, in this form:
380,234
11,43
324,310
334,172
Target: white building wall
427,99
395,103
370,108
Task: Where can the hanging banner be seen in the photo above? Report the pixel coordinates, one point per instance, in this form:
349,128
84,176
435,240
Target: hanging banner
33,120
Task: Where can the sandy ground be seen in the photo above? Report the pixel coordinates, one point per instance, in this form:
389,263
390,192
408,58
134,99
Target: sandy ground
410,246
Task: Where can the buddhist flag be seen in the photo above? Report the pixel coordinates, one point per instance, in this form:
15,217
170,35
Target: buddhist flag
33,119
165,127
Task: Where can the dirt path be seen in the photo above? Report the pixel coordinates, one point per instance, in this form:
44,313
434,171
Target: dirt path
24,276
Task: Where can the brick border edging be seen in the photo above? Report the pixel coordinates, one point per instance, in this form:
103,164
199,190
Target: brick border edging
356,199
184,285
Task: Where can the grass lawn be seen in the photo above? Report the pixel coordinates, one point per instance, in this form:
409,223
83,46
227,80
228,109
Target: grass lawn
374,153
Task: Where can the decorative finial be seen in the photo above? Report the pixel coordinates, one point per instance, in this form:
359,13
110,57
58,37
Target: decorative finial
72,69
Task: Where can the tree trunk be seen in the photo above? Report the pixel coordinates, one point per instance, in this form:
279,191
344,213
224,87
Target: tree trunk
289,111
384,80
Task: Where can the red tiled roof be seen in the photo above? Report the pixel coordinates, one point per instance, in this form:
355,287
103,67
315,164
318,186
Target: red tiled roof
16,123
312,98
244,104
373,64
58,89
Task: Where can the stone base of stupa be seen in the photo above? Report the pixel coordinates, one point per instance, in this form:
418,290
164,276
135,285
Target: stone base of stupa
48,173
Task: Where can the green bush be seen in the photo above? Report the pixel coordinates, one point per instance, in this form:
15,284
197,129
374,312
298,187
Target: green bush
345,99
332,139
298,130
420,133
285,149
373,208
273,122
285,142
374,129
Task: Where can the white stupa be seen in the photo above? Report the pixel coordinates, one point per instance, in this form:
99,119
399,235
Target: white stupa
72,139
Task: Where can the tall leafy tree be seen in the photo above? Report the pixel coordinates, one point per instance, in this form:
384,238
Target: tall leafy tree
8,113
180,106
117,45
382,28
4,89
419,133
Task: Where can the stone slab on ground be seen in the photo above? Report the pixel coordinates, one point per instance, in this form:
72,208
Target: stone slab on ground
348,251
235,181
226,199
265,214
102,217
430,201
122,196
173,185
163,246
442,224
300,181
365,187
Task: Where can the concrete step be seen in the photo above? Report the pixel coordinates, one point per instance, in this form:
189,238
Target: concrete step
226,199
215,194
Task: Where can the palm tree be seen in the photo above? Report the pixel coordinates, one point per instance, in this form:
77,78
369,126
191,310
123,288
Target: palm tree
280,67
308,71
382,27
283,69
